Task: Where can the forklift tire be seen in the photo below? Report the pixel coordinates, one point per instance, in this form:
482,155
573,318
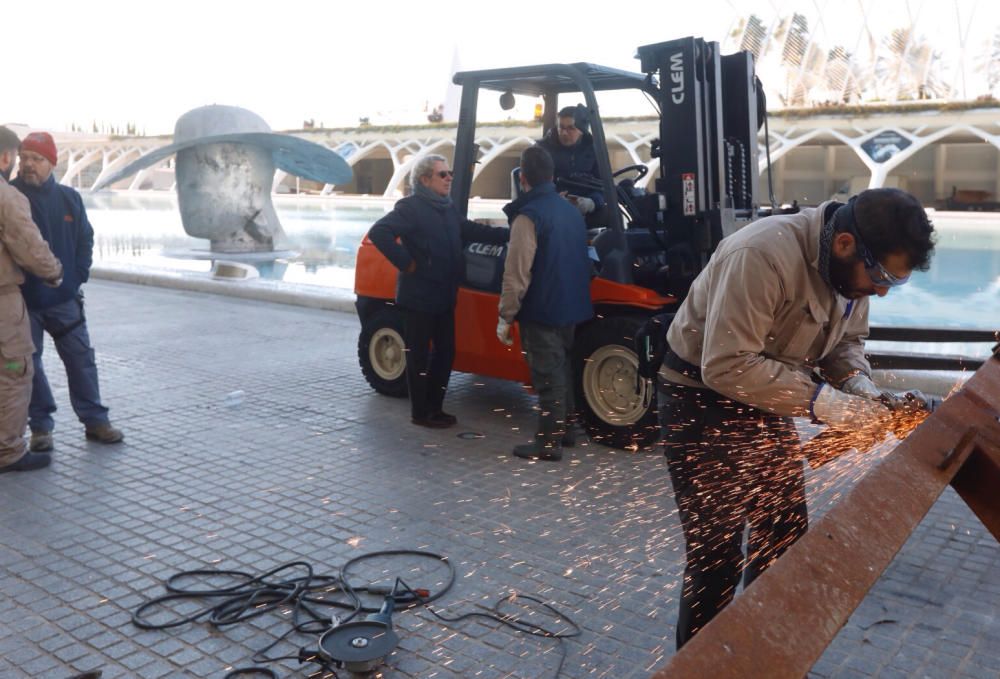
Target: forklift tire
382,352
604,369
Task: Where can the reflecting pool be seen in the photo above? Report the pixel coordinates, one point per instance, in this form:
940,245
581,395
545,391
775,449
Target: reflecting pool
961,290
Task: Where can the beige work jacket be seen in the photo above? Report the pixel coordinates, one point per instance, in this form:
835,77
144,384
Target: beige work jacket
21,246
759,318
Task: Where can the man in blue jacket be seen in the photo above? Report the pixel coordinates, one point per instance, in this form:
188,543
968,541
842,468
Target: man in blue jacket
59,213
546,288
429,257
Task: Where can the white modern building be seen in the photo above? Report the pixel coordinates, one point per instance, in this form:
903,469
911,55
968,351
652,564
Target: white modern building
860,95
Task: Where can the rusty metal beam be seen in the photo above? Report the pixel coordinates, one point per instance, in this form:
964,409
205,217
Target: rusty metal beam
978,483
792,612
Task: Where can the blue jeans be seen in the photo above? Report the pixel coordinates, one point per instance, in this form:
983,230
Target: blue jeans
67,326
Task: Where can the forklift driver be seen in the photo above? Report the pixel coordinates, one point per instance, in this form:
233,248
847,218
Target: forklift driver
572,149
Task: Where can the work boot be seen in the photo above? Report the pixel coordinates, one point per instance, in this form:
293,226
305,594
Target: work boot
434,421
41,441
28,462
574,434
104,433
536,451
445,417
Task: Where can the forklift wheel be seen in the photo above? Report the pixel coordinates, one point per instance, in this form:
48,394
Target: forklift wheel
382,352
605,368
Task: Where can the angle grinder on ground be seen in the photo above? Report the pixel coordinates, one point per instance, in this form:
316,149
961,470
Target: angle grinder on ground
361,646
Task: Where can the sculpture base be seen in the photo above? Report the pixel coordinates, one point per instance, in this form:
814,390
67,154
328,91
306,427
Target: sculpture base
251,257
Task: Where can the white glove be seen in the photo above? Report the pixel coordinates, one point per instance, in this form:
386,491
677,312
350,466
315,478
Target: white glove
862,385
847,411
503,332
585,205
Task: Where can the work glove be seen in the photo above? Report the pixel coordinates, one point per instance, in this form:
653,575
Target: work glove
896,401
841,410
863,386
503,332
910,402
585,205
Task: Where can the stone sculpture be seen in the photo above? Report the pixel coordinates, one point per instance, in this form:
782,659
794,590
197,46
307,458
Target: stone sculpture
226,158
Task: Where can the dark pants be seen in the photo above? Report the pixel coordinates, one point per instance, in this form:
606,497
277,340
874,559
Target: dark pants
730,465
428,370
548,350
66,324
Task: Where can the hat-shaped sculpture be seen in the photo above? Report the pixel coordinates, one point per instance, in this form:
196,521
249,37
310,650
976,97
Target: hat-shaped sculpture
226,157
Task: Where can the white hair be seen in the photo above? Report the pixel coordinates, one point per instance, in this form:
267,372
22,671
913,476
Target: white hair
424,167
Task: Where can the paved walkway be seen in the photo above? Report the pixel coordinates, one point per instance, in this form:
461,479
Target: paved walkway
252,440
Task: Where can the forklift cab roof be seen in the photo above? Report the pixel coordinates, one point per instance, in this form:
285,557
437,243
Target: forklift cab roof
556,78
547,81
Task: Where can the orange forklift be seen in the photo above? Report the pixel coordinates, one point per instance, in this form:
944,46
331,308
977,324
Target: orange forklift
710,107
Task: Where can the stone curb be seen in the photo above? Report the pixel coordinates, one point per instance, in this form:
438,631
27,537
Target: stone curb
312,296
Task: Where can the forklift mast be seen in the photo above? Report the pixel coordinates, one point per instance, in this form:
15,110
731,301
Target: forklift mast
709,109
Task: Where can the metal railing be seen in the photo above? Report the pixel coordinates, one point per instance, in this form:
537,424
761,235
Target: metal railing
881,360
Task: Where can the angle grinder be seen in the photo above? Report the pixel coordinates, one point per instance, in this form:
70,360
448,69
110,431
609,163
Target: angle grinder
361,646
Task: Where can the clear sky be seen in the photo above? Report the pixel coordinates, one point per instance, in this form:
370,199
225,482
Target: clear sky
119,61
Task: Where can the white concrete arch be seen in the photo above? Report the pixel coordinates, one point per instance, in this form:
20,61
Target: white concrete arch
497,148
141,175
123,157
403,166
638,141
632,147
76,162
362,151
279,176
882,170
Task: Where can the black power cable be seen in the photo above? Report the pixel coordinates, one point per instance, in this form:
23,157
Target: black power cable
310,597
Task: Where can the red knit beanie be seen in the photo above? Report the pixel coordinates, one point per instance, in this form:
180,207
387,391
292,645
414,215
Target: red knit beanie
42,144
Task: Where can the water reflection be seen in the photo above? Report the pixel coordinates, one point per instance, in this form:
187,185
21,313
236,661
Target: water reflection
962,289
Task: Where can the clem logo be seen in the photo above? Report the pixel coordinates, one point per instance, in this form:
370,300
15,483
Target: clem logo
486,249
677,78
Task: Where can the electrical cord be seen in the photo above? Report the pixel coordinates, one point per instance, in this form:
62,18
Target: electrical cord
311,598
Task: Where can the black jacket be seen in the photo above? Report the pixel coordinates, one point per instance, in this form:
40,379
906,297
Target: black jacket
576,161
433,236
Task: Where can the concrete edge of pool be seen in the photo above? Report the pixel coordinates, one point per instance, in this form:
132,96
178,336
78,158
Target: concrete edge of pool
299,294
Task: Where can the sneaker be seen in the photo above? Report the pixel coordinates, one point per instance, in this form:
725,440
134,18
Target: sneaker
28,462
104,433
531,451
445,417
574,434
41,441
431,422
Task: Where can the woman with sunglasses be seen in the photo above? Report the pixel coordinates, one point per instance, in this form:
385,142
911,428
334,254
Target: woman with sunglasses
431,235
773,328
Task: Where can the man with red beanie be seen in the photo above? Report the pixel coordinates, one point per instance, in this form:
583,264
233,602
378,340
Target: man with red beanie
59,213
21,247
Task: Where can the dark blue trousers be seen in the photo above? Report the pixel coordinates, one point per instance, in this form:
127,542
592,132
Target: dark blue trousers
66,324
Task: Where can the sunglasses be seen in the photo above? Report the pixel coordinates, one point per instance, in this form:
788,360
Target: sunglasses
878,274
445,173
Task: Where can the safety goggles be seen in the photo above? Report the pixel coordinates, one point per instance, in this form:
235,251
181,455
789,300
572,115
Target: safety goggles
879,275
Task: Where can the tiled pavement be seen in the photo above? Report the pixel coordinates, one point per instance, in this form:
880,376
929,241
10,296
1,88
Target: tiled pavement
308,463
